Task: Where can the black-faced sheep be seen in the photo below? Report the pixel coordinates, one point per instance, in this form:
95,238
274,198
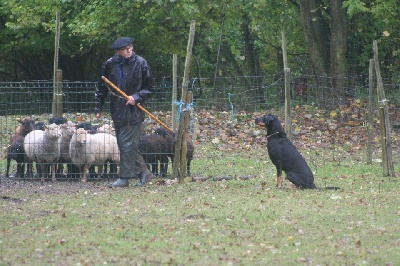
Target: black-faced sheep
59,120
89,127
170,137
43,147
39,125
16,152
92,149
153,149
15,149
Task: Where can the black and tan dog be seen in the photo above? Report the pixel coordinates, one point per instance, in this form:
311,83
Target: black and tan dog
284,154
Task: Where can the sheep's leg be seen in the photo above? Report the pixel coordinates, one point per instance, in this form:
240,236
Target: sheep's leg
29,172
60,168
92,171
20,170
154,167
8,165
188,167
105,171
84,173
163,166
40,168
43,170
53,172
99,171
79,171
37,169
113,169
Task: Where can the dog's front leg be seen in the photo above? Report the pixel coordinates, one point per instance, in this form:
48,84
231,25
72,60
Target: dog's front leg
279,174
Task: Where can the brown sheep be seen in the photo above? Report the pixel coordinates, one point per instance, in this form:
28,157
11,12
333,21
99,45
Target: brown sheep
170,148
153,149
15,149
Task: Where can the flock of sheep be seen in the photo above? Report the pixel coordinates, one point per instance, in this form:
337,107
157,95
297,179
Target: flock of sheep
81,147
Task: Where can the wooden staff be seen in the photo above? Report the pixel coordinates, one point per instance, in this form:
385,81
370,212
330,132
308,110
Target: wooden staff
138,105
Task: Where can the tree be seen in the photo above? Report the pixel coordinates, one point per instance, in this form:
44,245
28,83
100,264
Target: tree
325,31
335,38
375,20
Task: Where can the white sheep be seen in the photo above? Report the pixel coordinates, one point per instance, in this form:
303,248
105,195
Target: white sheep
67,130
43,147
92,149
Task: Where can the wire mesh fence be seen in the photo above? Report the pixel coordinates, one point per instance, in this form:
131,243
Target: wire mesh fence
224,109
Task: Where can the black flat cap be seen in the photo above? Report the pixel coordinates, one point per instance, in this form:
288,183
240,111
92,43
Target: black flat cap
122,42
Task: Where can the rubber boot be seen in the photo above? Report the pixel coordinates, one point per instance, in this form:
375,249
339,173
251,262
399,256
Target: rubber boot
144,177
121,182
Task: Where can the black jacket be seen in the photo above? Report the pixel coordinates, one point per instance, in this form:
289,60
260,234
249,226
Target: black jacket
136,81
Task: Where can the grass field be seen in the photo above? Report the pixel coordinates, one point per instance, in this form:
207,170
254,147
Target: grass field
242,220
235,222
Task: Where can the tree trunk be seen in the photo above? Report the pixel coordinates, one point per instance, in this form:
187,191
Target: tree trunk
249,48
316,33
338,48
325,31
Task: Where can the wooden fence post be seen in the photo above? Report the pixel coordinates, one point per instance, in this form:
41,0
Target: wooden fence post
387,162
179,165
174,90
370,98
57,100
288,116
57,73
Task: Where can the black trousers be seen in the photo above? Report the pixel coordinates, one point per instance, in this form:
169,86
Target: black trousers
132,162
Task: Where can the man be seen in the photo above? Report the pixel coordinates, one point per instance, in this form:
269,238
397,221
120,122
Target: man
132,74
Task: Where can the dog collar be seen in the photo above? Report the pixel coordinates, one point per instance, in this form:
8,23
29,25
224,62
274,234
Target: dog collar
273,134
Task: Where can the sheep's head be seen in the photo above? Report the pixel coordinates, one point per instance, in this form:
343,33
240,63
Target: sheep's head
81,135
164,133
67,130
52,131
27,125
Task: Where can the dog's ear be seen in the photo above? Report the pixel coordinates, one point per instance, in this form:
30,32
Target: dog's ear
268,118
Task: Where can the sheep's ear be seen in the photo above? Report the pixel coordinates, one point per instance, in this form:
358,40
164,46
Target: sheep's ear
19,120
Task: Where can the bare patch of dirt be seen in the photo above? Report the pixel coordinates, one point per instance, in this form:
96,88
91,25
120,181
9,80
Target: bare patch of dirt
12,185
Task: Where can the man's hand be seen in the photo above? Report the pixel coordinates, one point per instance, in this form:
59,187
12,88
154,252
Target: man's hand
98,115
131,101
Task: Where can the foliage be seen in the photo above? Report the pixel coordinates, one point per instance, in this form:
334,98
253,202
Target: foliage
376,20
250,31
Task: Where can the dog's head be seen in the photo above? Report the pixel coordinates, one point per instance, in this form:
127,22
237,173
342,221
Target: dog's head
271,122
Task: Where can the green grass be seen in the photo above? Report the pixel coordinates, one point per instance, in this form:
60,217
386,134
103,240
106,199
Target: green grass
231,222
236,222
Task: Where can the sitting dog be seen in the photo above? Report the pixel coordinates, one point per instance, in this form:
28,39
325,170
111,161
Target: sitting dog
284,154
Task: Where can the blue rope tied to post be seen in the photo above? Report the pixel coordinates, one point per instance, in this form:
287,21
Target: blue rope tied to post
180,104
232,110
190,105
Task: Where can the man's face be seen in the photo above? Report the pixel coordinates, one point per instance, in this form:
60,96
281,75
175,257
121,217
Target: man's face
125,51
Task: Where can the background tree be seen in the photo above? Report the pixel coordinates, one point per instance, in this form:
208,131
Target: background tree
325,31
375,20
325,38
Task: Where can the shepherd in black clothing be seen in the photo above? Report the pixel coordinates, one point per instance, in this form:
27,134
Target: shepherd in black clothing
132,74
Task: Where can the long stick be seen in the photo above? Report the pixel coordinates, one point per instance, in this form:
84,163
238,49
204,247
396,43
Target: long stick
138,105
